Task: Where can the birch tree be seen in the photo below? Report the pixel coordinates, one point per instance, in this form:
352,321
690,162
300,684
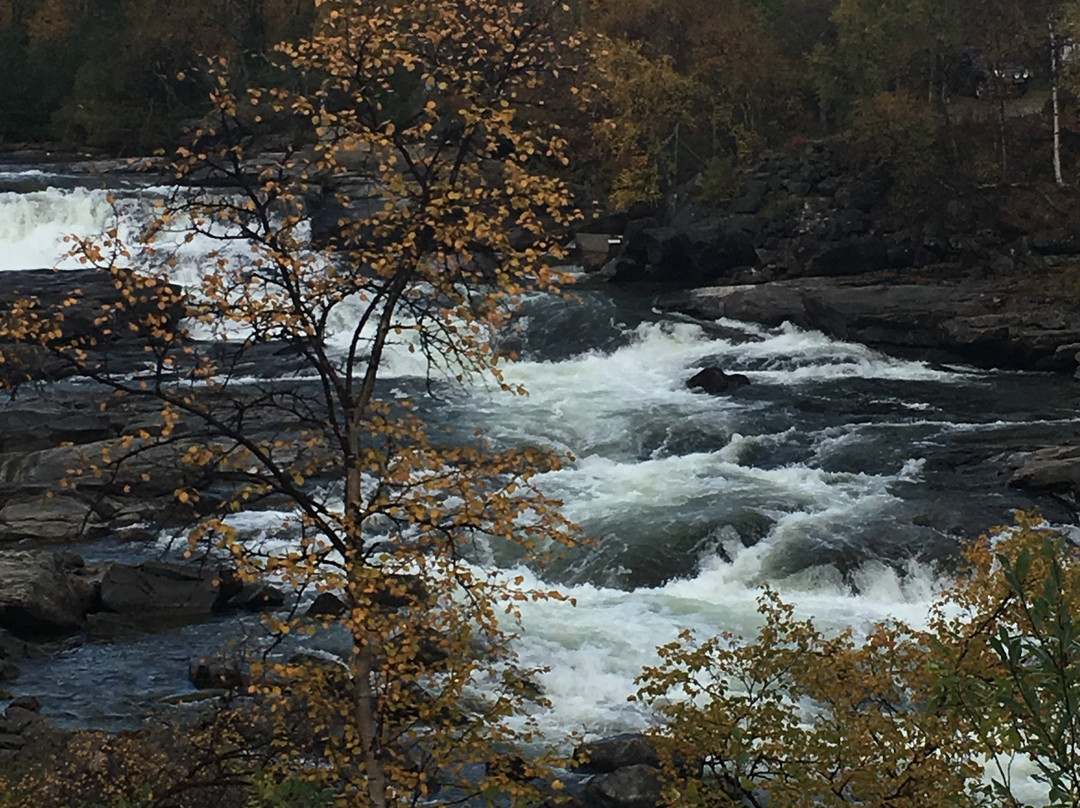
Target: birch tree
425,124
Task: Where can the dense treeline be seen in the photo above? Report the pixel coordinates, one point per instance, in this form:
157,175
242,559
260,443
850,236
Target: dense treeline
919,89
111,73
683,89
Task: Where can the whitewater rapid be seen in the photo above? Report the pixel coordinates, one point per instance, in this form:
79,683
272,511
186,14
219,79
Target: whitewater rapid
833,477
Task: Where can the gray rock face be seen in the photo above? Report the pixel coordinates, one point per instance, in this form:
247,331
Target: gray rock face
978,321
39,596
59,518
1056,468
609,754
637,786
155,587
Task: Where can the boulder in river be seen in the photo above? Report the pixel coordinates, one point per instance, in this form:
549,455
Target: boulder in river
155,588
616,752
216,673
637,786
1054,468
327,604
713,380
257,596
39,595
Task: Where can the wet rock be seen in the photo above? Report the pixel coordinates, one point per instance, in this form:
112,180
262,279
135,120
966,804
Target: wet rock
396,591
637,786
980,321
29,703
49,423
616,752
257,597
12,647
1055,468
154,587
623,269
38,595
327,604
51,290
52,519
713,380
9,671
219,673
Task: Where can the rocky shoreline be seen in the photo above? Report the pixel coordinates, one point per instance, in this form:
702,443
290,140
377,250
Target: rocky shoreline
991,279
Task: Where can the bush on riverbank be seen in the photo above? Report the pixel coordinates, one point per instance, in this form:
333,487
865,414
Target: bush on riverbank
902,716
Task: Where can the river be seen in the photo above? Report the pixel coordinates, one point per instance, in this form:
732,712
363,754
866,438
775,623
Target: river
845,478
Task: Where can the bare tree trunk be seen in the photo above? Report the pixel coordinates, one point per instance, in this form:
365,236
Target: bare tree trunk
946,116
367,723
363,663
1054,98
1001,137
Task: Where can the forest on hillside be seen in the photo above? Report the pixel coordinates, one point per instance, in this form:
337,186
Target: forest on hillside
677,89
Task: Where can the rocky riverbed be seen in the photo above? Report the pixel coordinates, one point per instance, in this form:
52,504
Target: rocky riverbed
786,440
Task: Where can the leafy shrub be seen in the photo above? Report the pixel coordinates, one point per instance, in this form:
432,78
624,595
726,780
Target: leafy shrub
902,717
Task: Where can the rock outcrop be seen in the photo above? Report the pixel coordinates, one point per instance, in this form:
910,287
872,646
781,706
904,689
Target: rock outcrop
42,595
1053,469
983,322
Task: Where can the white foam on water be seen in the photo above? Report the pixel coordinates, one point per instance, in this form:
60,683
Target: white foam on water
596,649
593,399
792,355
33,225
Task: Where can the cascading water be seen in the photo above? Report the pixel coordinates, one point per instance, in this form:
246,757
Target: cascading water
842,477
